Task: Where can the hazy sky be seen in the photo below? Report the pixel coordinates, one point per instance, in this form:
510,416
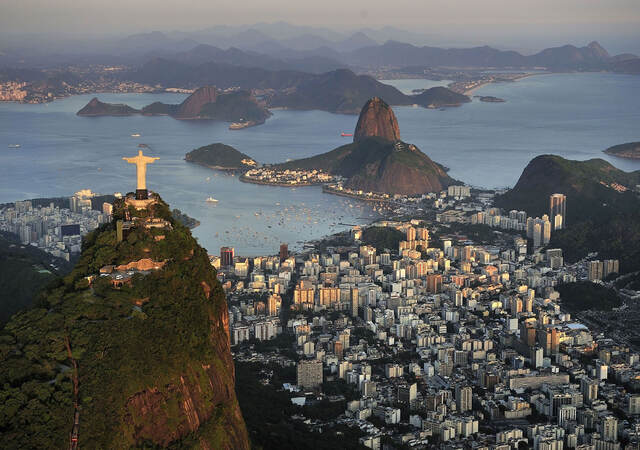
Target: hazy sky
507,23
131,15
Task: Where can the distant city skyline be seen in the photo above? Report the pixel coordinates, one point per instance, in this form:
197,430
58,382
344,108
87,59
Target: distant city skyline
523,24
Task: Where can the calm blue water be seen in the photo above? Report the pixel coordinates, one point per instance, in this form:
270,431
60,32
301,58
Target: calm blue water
488,144
484,144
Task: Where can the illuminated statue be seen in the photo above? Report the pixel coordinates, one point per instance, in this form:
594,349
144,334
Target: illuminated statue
141,162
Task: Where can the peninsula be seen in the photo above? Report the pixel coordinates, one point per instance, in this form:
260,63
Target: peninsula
630,150
377,161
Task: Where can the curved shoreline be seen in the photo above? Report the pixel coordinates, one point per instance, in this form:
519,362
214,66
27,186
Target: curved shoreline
246,179
219,168
326,189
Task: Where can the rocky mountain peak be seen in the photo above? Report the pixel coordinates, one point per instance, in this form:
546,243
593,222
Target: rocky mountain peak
598,50
377,119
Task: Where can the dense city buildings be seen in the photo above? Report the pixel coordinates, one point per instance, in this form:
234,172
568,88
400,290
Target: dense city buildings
56,227
445,342
287,177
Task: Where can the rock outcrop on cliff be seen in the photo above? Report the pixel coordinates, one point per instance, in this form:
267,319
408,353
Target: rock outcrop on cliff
377,119
119,360
377,160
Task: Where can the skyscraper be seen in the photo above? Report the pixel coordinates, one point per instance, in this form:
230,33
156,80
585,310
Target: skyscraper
284,251
558,206
226,256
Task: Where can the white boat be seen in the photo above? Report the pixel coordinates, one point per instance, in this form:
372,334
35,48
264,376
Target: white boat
14,146
211,200
136,135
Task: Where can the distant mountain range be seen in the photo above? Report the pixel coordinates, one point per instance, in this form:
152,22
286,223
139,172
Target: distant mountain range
399,54
567,57
282,46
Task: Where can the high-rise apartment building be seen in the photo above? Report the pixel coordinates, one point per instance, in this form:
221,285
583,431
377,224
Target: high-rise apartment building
309,374
226,256
558,206
284,252
464,397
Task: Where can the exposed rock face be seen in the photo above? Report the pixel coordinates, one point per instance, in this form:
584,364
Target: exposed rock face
377,119
191,107
180,408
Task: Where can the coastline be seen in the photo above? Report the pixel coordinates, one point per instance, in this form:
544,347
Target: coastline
246,179
326,189
470,92
627,156
219,168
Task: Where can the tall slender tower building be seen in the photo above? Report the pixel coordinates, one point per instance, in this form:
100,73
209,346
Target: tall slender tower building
284,252
558,206
226,256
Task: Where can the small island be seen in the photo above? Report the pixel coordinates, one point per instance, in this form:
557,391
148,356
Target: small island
490,99
438,97
97,108
630,150
219,156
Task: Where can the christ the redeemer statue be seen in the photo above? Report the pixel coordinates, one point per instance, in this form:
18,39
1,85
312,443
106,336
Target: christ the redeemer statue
141,162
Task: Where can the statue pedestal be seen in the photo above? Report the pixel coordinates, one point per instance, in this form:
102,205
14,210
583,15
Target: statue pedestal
139,204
